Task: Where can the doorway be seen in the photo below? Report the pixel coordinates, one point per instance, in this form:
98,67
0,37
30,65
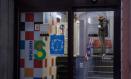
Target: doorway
95,33
46,52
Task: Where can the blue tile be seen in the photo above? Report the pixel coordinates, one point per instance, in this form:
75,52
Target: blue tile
22,44
37,78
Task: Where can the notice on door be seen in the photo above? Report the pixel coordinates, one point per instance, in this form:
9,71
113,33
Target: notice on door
57,44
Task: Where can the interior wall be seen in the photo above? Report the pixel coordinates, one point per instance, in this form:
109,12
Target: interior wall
110,16
83,33
6,39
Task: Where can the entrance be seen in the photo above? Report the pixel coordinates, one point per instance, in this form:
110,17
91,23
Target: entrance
94,44
43,45
79,41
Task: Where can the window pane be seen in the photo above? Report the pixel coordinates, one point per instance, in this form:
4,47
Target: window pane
93,44
43,45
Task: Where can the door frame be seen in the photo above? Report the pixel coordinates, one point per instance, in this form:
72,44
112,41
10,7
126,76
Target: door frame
71,10
117,35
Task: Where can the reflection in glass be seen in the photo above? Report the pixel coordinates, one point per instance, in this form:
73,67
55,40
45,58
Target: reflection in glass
93,45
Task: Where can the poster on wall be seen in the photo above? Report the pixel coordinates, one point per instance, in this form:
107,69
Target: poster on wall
57,44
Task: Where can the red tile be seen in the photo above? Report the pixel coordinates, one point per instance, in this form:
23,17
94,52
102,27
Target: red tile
29,35
29,17
38,63
22,63
28,72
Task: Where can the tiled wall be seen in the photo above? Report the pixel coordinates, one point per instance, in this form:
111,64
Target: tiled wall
33,29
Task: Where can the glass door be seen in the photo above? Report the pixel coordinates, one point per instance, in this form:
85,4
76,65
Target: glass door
93,45
43,45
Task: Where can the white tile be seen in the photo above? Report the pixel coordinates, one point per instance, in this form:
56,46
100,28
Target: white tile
29,26
29,56
29,63
22,53
22,35
37,35
22,73
22,18
38,72
38,17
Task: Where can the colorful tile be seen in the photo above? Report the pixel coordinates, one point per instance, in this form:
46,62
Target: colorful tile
22,18
38,17
29,50
22,53
22,35
22,26
29,35
37,78
29,26
45,72
37,35
22,44
29,72
29,17
38,63
22,63
29,57
38,72
29,63
22,73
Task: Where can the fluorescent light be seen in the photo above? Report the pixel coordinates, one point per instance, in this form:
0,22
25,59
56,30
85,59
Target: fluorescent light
89,20
77,21
99,26
58,16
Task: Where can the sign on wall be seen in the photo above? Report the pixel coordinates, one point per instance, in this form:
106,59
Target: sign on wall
57,44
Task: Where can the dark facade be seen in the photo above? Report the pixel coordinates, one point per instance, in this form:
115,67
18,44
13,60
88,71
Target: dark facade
8,28
64,5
